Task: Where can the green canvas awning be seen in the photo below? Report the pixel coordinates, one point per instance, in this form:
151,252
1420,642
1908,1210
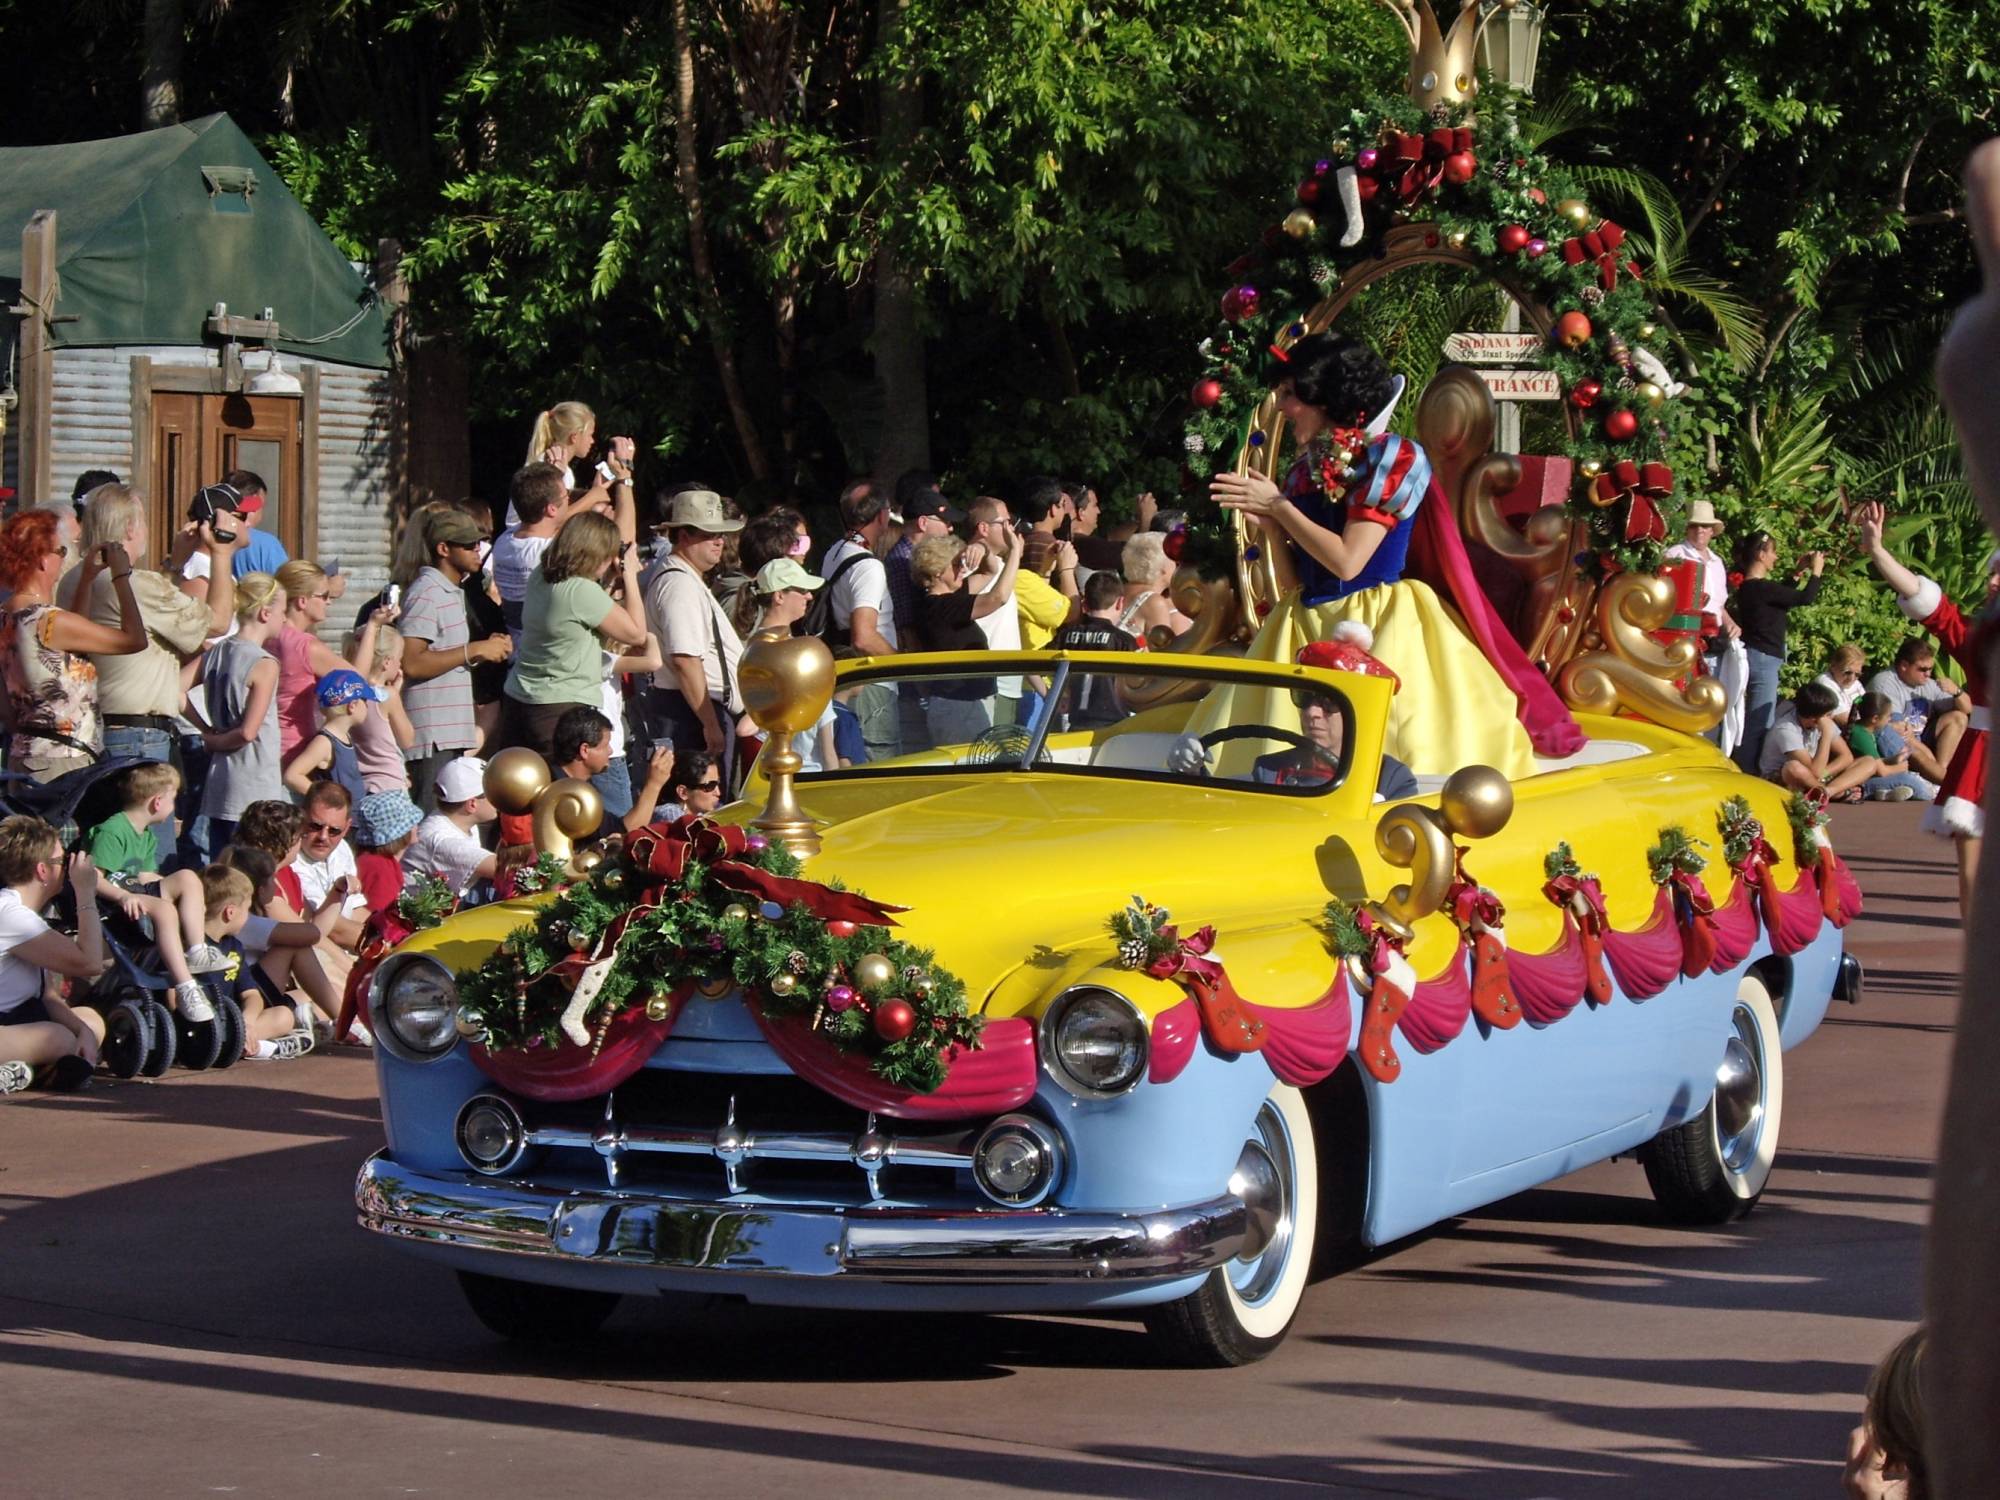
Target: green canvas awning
154,229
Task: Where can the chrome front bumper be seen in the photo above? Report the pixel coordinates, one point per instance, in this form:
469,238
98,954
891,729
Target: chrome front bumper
611,1228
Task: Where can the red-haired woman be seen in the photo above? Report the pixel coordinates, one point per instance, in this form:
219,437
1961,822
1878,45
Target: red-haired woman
46,651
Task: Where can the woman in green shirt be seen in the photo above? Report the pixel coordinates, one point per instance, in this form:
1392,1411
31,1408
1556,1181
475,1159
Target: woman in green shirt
559,664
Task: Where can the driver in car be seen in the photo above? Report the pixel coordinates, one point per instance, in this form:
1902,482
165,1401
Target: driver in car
1321,723
1319,759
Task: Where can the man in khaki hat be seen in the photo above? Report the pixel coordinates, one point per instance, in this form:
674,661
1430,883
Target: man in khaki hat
1721,639
694,702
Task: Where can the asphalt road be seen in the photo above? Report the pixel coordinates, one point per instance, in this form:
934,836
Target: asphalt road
187,1308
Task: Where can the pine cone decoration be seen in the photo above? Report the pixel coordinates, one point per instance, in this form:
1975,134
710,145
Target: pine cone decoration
1132,953
797,962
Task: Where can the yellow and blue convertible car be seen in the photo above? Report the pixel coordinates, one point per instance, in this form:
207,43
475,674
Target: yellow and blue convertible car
1139,1004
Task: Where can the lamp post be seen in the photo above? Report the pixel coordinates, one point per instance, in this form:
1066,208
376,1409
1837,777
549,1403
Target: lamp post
1510,37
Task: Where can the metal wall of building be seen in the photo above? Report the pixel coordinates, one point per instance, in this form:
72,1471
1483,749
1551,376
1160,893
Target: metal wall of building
92,429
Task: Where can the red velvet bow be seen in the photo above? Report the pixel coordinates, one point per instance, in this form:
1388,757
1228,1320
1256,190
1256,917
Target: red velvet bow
662,852
1601,245
1565,889
1411,164
1696,893
1644,485
1190,956
1468,901
1759,858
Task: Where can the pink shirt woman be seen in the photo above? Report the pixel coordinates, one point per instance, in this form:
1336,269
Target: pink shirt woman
303,658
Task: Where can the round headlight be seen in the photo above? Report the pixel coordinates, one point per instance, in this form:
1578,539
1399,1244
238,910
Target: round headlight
491,1136
1017,1161
419,1008
1094,1042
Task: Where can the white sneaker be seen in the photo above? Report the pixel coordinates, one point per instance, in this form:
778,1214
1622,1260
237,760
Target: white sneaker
285,1048
1901,793
192,1001
206,958
15,1076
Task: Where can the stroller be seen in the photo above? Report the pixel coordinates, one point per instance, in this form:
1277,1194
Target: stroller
142,1035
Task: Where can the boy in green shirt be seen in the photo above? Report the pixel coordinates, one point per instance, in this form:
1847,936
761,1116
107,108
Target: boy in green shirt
123,849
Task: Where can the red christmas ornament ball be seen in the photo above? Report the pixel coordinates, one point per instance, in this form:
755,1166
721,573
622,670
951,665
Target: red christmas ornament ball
1538,195
1175,543
1620,426
1206,392
1512,239
1585,392
1309,191
838,928
895,1019
1573,330
1461,167
1247,300
1366,188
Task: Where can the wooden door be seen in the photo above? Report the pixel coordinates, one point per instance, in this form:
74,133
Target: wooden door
197,439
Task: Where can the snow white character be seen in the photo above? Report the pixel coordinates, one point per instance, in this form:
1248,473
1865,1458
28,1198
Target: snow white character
1356,516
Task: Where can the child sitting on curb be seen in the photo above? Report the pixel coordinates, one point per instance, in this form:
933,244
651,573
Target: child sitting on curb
270,1028
1868,734
282,949
385,824
330,754
128,858
1803,750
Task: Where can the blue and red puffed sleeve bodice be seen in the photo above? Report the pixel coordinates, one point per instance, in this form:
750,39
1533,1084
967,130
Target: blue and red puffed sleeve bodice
1385,484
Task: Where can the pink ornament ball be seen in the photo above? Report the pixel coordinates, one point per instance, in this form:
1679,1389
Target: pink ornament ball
1365,159
756,843
841,997
1537,248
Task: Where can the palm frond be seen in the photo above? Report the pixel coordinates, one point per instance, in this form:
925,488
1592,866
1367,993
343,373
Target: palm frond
1541,123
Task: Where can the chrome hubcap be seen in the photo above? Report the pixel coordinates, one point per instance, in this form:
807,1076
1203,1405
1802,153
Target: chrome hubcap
1739,1093
1263,1180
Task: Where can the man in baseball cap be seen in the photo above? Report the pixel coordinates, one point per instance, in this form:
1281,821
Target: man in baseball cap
446,845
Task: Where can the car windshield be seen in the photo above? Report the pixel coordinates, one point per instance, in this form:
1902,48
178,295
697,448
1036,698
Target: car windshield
1147,720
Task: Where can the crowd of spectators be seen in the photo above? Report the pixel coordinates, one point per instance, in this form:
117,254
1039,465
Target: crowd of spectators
276,783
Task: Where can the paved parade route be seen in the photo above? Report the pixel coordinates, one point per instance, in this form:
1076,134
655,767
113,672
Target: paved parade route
187,1308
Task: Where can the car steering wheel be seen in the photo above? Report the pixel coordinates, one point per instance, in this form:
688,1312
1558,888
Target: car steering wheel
1299,741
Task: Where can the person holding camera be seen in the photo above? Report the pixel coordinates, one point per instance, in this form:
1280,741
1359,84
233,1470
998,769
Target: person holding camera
46,650
438,649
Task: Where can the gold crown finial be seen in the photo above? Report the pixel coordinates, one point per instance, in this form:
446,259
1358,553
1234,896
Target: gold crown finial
1441,63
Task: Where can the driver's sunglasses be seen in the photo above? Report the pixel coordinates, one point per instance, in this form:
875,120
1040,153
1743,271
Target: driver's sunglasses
1303,699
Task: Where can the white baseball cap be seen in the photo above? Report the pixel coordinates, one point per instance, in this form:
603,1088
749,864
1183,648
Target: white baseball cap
461,780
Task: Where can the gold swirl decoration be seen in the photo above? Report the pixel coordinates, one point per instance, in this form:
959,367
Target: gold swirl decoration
1476,803
517,781
1635,672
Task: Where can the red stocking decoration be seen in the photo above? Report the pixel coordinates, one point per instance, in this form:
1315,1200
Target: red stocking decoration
1225,1021
1696,911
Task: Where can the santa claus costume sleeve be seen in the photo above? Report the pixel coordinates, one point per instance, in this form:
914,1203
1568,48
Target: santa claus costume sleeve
1960,806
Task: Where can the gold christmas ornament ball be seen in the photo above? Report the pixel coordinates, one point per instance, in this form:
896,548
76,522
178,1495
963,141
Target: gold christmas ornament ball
783,984
1590,468
1651,394
873,971
1456,239
1576,211
658,1007
735,911
468,1025
1647,330
578,943
614,880
514,779
1476,802
922,988
1300,224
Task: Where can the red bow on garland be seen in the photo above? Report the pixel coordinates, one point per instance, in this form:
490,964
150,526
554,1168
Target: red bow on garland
1643,485
1582,898
1228,1027
663,851
1481,921
1411,164
1601,245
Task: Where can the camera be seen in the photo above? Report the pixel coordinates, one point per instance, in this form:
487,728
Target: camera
211,503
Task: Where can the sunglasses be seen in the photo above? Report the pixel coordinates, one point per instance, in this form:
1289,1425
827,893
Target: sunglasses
324,828
706,786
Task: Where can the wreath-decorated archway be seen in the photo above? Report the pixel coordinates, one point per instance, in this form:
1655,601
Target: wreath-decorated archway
1444,175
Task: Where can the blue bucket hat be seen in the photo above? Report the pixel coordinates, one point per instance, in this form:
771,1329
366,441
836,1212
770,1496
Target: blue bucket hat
343,685
381,818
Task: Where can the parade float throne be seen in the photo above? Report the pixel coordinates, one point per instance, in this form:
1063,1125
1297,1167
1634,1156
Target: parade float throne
1612,640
